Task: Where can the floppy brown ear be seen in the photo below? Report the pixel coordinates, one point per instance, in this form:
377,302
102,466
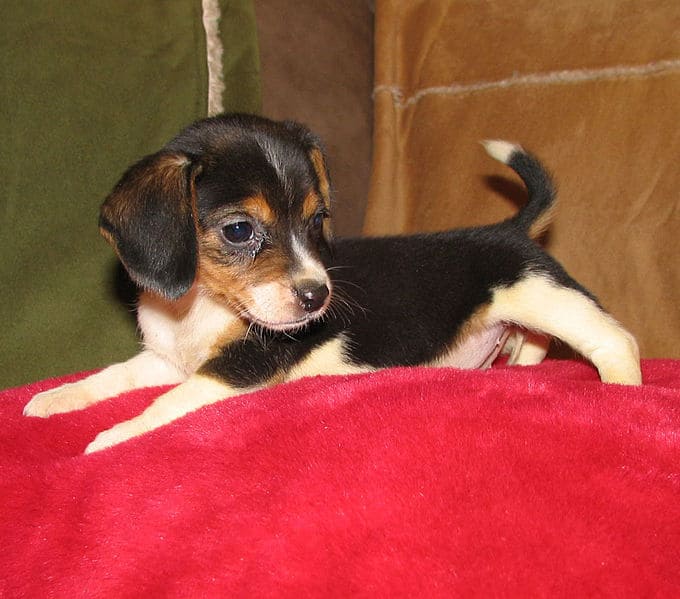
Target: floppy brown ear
149,220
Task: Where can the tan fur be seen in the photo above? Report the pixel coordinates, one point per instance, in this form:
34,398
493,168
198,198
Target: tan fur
265,293
263,290
197,391
328,359
232,281
322,174
185,332
258,207
143,370
165,173
538,304
526,348
541,224
310,205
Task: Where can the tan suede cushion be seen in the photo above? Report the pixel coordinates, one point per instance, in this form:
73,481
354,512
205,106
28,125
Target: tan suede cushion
593,88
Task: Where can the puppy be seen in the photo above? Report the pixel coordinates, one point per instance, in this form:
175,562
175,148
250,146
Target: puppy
226,230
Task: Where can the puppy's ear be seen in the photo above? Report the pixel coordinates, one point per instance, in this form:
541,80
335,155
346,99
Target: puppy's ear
149,219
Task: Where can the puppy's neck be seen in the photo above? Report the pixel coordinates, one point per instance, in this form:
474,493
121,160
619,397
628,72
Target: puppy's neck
189,330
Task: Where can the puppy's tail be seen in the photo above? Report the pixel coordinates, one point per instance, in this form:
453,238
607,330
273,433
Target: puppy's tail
536,215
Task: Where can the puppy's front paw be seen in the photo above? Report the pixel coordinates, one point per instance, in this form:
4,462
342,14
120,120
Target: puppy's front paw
67,398
113,436
103,440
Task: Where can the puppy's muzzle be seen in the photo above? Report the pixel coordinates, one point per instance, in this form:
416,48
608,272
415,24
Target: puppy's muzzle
311,295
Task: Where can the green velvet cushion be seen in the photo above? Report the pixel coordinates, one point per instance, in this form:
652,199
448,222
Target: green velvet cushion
87,88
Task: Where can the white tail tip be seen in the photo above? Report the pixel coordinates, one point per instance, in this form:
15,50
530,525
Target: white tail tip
501,150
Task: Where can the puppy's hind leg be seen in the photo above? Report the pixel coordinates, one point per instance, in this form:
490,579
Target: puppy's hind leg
144,370
526,348
539,304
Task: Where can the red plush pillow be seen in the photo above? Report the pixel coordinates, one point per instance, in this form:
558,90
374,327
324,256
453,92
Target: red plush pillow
512,481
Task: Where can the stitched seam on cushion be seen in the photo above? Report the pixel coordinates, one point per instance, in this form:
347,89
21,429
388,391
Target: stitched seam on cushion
565,77
214,54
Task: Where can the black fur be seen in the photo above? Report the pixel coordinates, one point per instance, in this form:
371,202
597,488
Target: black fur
155,234
397,300
152,226
390,316
540,188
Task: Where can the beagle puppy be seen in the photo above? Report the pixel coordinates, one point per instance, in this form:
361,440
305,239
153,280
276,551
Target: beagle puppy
226,230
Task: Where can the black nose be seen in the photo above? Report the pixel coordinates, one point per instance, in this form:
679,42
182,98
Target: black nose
311,295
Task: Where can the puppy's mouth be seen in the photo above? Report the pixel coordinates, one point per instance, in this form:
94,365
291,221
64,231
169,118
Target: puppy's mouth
277,308
292,325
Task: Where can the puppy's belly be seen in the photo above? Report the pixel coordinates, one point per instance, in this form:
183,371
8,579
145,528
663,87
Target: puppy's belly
477,350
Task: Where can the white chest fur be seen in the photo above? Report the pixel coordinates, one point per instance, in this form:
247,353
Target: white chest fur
183,331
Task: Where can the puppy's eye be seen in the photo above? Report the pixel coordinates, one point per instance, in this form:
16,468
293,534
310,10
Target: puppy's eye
239,232
319,217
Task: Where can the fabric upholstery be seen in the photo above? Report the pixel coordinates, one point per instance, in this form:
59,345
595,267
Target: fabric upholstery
86,88
593,88
511,482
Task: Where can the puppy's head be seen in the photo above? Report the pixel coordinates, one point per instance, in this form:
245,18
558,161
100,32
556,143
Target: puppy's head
238,203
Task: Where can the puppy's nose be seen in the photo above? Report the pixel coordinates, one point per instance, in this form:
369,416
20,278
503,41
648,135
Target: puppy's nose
311,295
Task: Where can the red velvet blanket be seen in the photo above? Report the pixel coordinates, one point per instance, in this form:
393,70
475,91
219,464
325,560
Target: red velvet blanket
408,482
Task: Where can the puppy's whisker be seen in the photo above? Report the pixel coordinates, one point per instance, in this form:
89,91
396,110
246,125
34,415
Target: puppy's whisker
343,307
341,282
343,293
248,330
348,301
331,268
242,312
340,305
